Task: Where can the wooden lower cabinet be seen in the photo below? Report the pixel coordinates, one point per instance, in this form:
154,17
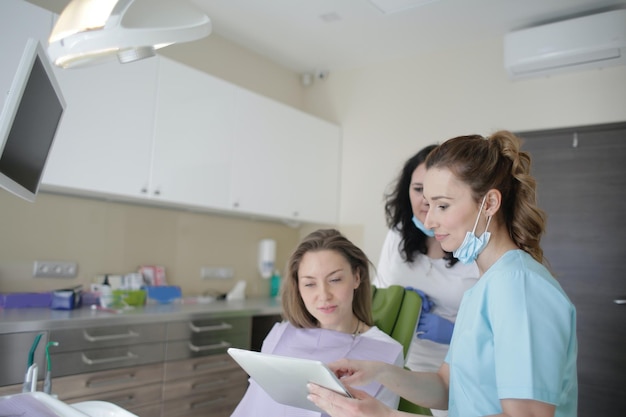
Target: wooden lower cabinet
209,386
136,389
173,369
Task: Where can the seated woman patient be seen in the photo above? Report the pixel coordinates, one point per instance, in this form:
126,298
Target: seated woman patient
327,307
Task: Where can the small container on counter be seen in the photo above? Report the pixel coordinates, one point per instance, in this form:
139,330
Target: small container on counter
275,284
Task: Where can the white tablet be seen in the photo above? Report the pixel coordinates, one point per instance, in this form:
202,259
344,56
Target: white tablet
285,378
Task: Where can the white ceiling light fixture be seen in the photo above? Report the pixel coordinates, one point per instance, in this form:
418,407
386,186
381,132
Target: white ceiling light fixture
92,31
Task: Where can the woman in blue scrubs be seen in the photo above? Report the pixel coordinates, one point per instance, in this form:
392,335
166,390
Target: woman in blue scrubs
513,350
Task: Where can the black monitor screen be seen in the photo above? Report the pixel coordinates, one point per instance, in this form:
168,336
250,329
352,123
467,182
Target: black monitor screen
38,111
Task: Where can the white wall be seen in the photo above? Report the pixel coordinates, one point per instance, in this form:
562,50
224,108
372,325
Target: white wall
388,112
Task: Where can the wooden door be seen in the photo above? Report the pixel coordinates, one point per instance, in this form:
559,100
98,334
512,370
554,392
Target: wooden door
581,176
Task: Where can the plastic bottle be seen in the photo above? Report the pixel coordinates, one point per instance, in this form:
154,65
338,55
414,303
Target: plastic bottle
275,284
106,293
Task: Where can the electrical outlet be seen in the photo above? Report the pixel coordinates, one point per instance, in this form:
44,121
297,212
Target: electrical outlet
55,269
211,272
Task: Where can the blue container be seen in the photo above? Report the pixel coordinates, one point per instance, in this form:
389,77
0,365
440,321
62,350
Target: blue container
163,294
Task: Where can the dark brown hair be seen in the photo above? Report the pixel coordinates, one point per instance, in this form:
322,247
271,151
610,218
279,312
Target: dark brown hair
399,212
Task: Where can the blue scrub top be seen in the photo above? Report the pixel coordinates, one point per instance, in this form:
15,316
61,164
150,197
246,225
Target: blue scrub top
515,337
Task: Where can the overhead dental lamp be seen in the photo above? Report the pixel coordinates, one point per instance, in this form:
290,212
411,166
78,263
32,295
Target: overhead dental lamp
91,31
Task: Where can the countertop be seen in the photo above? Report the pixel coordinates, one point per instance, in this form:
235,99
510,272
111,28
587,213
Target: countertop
34,319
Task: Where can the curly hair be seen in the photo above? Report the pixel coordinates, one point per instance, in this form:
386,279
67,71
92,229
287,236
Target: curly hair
294,309
399,213
497,162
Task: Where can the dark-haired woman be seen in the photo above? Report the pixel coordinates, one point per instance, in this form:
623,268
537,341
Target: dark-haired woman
412,257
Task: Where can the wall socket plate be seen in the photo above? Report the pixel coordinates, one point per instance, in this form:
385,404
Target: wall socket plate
54,269
220,272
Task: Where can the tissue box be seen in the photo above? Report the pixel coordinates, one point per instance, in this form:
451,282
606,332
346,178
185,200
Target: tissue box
26,299
163,294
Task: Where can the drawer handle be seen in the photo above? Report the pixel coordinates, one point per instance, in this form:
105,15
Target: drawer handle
220,345
91,338
128,356
205,385
202,404
214,328
94,383
123,401
211,365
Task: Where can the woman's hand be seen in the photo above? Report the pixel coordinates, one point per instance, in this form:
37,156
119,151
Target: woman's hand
356,372
337,405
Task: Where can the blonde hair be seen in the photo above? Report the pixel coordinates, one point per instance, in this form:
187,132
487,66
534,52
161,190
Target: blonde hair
497,162
293,306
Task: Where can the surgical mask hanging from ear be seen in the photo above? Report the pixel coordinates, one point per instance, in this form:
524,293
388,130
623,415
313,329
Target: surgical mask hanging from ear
420,225
472,246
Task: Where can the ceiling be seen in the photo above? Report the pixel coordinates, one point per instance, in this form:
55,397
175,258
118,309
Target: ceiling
327,35
315,36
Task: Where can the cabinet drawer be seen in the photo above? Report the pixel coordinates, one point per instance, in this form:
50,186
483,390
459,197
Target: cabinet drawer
219,403
192,348
199,366
105,336
16,389
93,384
202,329
205,384
70,363
129,398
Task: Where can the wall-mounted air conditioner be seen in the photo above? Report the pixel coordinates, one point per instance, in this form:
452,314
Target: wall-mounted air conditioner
592,41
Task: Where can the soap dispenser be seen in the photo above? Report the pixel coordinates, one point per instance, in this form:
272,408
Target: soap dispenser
275,284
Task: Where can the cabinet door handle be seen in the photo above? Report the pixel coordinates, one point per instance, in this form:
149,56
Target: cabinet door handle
620,300
122,401
128,356
201,404
205,385
211,365
220,345
103,382
214,328
91,338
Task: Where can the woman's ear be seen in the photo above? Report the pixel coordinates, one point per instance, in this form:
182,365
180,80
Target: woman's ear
357,276
493,201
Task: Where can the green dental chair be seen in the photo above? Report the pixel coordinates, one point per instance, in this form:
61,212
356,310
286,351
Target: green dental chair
396,312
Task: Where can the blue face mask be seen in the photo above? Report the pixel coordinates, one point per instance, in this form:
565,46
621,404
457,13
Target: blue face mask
420,225
472,245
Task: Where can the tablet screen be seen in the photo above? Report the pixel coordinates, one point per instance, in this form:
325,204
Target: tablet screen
285,378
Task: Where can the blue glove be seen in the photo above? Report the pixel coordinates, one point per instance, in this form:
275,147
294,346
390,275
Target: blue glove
435,328
427,305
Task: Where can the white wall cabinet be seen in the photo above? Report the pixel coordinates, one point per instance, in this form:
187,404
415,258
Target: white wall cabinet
164,133
104,141
159,131
192,137
220,146
286,164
